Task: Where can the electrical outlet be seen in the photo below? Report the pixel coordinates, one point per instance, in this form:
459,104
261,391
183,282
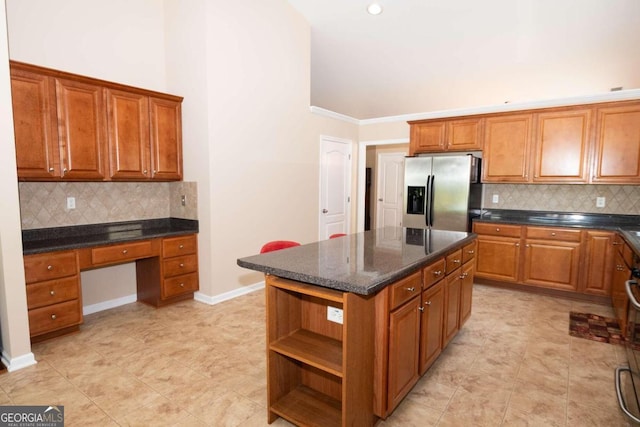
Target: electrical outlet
71,203
495,198
334,314
600,202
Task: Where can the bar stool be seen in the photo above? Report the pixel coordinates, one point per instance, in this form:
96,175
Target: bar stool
276,245
333,236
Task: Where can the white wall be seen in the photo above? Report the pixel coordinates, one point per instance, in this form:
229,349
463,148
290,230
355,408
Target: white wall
16,348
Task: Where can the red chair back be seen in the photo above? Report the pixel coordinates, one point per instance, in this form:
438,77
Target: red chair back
276,245
333,236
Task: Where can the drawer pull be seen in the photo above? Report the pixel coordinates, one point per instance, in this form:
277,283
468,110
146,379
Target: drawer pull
464,275
52,292
181,265
181,247
54,317
471,252
421,308
437,272
49,267
497,230
411,289
427,303
182,285
124,251
456,261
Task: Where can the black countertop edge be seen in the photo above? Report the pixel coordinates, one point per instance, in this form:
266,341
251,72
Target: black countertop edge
41,240
565,219
376,284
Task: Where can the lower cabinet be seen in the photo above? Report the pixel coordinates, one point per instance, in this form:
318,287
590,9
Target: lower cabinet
621,273
599,256
431,326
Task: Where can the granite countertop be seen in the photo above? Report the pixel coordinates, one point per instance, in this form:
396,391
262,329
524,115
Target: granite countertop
361,263
627,225
81,236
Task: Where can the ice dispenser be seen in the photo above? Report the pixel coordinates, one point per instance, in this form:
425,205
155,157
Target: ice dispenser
415,200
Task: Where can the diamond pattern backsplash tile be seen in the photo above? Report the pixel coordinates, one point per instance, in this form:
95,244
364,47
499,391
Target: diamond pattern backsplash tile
44,204
619,199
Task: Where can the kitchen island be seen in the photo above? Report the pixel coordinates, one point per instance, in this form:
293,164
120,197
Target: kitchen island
353,322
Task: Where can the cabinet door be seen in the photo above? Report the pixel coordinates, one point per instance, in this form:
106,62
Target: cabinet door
466,292
562,146
464,134
507,148
431,326
128,129
618,145
451,307
619,298
81,129
427,137
34,121
404,339
498,258
598,262
166,139
551,264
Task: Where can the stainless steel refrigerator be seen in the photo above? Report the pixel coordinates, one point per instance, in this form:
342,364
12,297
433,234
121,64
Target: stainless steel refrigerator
441,192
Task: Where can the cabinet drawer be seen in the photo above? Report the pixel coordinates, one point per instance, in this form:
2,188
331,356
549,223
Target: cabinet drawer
183,245
180,265
121,253
433,273
49,266
553,233
53,317
179,285
405,289
493,229
453,261
52,292
469,251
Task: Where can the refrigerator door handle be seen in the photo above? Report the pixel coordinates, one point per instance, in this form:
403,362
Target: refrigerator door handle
426,202
431,193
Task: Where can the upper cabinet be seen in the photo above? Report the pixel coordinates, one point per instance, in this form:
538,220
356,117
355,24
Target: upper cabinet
507,148
75,128
617,143
446,135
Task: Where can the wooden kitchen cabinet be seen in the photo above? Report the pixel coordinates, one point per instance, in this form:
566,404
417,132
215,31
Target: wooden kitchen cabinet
507,148
76,128
319,373
498,251
35,125
552,257
599,254
447,135
617,142
466,290
431,325
53,291
562,146
619,299
452,294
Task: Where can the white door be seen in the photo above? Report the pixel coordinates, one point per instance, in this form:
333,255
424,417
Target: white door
389,189
335,186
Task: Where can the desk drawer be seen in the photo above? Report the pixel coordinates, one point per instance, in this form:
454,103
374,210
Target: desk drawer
551,233
453,261
121,253
469,252
179,285
182,245
495,229
180,265
433,273
50,266
405,289
53,317
52,292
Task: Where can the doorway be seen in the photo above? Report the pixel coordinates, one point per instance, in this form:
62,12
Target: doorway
335,186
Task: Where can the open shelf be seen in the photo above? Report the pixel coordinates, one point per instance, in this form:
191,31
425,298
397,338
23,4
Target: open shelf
313,349
306,407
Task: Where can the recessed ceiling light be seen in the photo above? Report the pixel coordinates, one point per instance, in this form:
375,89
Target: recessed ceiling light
374,9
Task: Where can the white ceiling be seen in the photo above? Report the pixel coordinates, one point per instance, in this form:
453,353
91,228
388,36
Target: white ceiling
431,55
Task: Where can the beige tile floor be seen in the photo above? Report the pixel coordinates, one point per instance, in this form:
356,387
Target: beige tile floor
190,364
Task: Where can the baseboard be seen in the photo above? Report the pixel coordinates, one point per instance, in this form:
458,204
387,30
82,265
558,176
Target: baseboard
106,305
18,362
198,296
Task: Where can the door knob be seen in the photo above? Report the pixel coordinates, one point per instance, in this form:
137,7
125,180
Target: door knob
324,211
379,200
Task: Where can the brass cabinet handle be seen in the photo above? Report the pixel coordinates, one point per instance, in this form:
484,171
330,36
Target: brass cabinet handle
52,292
411,289
471,252
182,285
456,261
553,234
421,308
181,265
427,303
497,230
124,252
437,272
49,267
54,317
181,247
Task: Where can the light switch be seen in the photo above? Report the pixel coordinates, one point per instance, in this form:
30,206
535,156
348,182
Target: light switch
600,202
495,198
71,203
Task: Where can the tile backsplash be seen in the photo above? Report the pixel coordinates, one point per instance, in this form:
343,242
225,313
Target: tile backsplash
44,204
619,199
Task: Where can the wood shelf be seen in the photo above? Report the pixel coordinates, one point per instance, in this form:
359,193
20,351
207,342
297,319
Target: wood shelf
313,349
304,406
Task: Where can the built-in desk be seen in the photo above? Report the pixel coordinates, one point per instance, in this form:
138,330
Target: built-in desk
165,252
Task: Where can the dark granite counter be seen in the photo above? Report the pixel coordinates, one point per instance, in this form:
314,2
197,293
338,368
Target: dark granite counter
361,263
627,225
80,236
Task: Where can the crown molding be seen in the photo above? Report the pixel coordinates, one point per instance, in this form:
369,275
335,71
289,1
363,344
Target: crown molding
621,95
